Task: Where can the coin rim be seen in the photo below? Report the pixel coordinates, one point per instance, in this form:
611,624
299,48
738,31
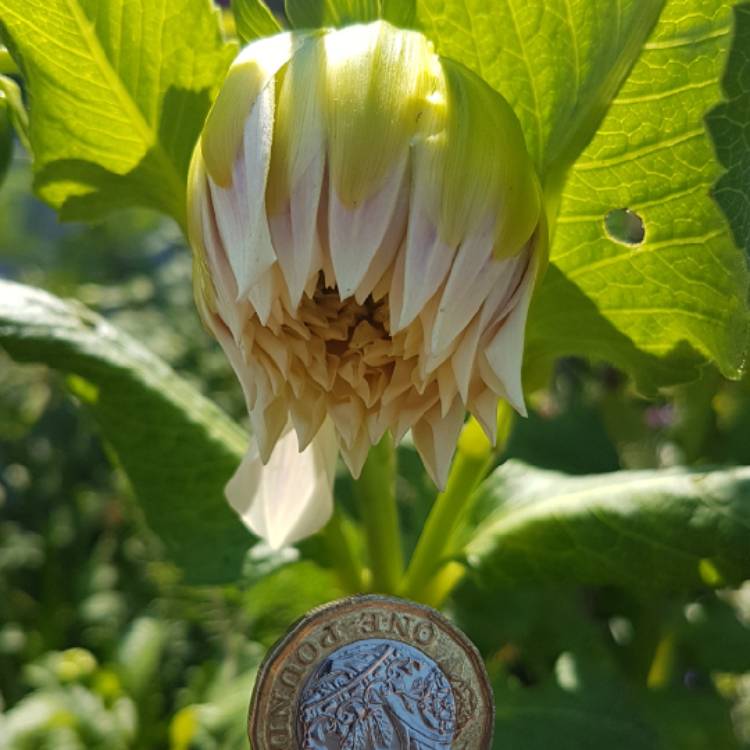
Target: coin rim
351,602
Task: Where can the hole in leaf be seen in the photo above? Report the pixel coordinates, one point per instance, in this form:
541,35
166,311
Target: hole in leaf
625,226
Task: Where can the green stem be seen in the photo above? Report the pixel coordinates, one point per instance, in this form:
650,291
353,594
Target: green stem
473,459
342,555
376,492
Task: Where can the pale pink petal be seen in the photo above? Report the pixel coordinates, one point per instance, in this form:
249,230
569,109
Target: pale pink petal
356,233
295,234
426,262
291,497
505,352
473,275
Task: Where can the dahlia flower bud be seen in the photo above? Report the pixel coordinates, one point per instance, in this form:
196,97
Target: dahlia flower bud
367,228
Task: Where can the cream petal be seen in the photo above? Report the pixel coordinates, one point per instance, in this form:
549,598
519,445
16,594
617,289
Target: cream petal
291,497
308,413
435,439
268,421
357,233
356,454
265,292
504,353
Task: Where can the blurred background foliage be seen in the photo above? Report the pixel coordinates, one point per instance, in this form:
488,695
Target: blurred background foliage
102,647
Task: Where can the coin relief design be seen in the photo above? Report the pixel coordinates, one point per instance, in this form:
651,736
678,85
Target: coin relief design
372,673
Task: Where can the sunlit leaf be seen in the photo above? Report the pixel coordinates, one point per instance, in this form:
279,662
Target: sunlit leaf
558,63
644,273
253,19
177,448
655,307
729,125
10,96
667,529
119,90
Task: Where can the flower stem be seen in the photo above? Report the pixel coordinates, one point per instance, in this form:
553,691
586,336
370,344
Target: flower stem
473,458
376,492
348,567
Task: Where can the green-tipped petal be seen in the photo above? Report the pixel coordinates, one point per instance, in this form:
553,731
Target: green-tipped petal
256,65
378,79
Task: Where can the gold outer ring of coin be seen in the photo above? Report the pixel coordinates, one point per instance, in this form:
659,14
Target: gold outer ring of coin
372,673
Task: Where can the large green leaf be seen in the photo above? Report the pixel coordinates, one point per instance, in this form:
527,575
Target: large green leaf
253,19
729,124
538,718
646,529
658,306
558,63
176,447
119,90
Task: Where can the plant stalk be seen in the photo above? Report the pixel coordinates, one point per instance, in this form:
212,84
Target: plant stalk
474,457
348,567
376,492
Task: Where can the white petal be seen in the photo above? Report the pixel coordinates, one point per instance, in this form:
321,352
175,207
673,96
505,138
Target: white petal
241,208
264,294
235,314
291,497
505,352
427,260
295,235
473,275
357,233
463,358
502,296
380,266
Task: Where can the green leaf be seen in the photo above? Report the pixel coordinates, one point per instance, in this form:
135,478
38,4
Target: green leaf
6,138
309,14
253,19
656,530
729,125
10,97
558,63
119,90
399,12
177,448
539,718
285,595
659,307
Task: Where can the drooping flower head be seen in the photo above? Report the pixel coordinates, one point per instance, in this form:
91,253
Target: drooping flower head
367,228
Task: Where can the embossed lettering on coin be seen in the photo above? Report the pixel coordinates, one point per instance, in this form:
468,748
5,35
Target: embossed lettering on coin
372,673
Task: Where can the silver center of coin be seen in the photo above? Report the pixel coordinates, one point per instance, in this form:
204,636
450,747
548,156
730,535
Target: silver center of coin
377,694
